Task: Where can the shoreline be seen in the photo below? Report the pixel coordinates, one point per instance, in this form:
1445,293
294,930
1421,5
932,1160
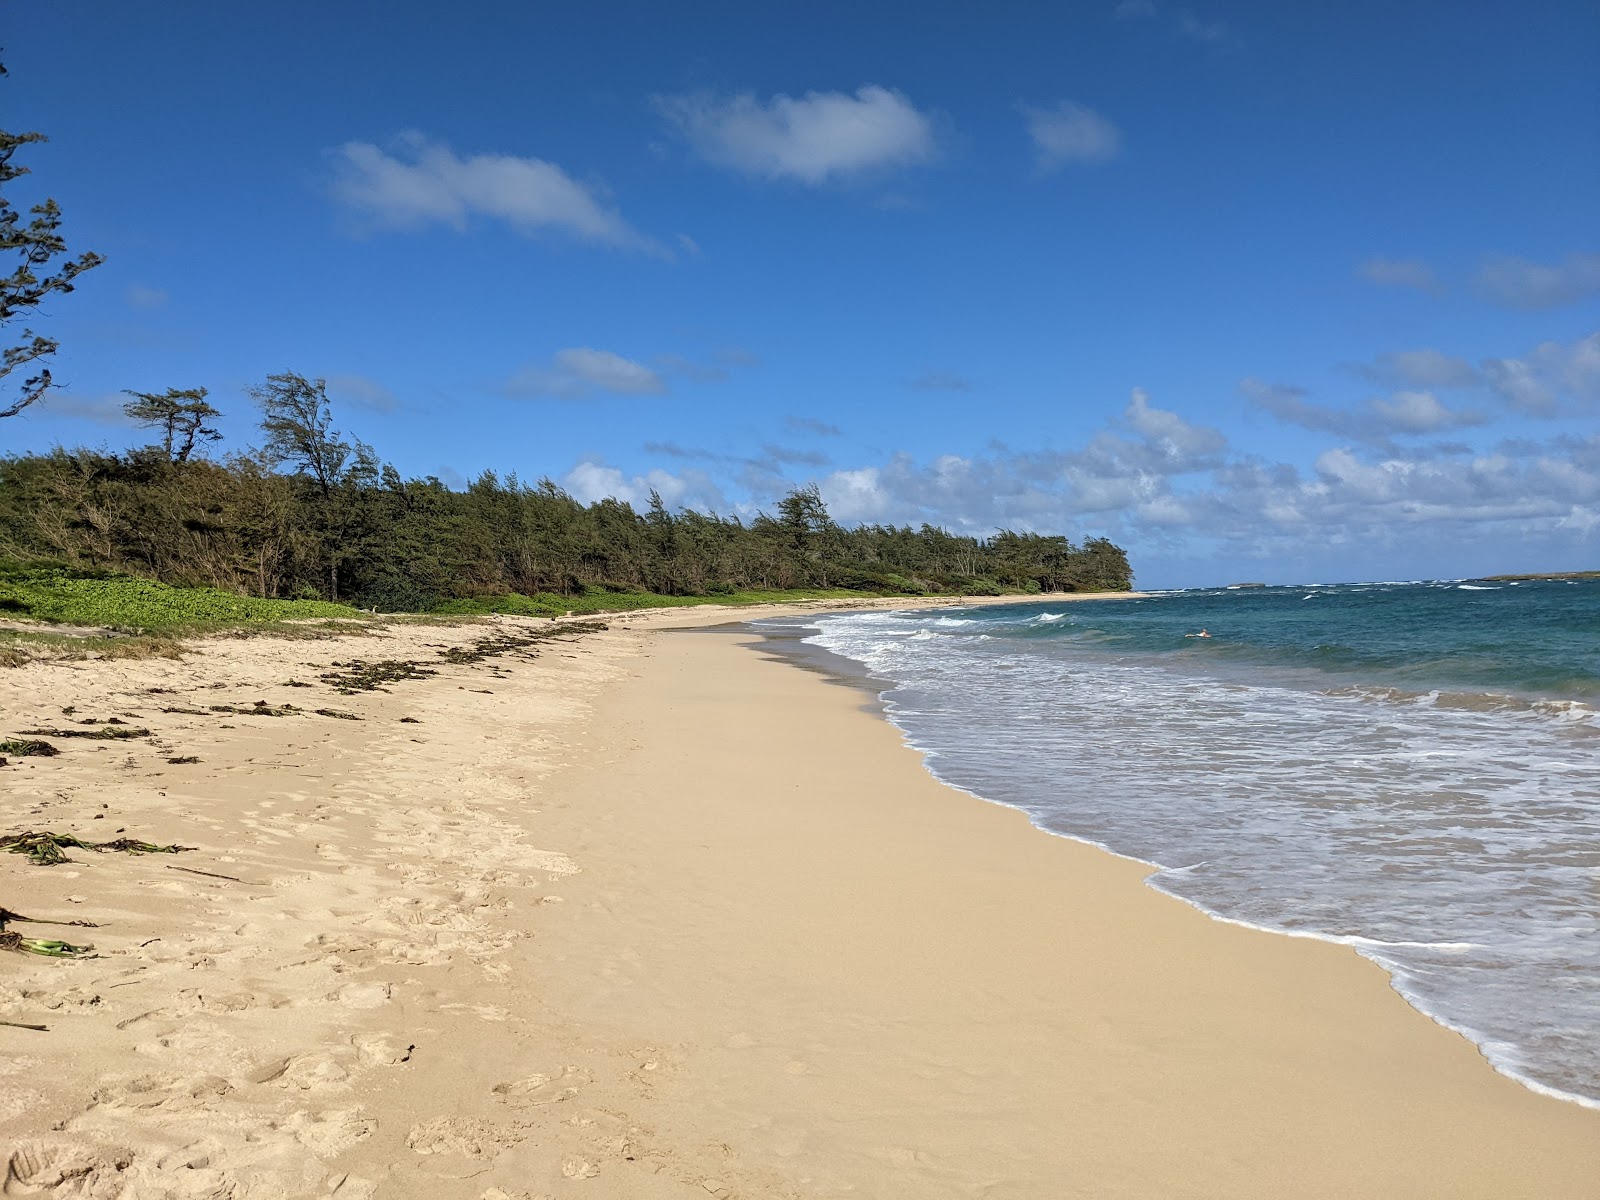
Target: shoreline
851,674
606,923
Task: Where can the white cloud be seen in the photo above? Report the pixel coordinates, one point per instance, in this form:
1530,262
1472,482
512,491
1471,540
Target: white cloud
590,481
144,298
1518,283
582,371
1177,440
1555,379
1400,272
816,138
1069,133
1375,422
426,183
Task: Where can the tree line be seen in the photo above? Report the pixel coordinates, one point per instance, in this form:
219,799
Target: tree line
311,513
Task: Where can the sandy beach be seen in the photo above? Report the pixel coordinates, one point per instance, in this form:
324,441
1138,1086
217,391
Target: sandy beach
642,912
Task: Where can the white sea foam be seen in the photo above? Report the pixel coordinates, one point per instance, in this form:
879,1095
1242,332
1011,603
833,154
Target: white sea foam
1449,837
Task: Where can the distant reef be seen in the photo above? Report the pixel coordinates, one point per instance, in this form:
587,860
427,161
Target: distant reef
1541,575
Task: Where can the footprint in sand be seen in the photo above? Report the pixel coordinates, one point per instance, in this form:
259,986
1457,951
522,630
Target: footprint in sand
326,1134
543,1089
456,1135
381,1049
362,995
45,1168
304,1072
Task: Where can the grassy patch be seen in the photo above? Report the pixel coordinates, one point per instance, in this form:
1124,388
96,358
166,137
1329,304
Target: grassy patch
124,603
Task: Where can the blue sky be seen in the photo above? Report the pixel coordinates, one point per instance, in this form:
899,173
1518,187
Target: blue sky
1260,291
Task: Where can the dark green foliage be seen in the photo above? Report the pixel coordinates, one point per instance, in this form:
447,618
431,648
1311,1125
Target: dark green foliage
315,516
29,748
179,416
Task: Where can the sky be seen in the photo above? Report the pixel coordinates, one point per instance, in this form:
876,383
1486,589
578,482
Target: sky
1260,291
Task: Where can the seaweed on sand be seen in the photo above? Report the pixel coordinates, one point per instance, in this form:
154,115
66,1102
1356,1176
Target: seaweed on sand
359,675
25,748
101,733
49,849
505,643
259,709
335,713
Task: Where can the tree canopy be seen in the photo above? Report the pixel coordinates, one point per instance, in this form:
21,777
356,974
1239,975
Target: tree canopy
315,515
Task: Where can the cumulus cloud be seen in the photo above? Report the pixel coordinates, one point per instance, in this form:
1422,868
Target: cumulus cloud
1174,437
1517,283
1555,379
1400,272
1172,490
590,481
423,182
1376,421
812,139
1070,133
581,371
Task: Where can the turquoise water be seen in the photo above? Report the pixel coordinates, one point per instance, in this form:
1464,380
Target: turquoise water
1412,769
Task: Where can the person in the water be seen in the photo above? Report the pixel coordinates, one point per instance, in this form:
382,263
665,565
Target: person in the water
1202,633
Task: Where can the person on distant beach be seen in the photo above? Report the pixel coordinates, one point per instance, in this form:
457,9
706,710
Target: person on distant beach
1202,633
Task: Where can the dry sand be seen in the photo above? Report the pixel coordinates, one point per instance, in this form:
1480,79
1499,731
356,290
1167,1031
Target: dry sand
652,915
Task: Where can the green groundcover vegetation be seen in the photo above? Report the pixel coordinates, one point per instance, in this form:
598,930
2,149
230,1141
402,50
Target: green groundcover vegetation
310,525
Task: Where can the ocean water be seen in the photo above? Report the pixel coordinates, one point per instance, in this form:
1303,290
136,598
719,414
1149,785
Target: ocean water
1409,768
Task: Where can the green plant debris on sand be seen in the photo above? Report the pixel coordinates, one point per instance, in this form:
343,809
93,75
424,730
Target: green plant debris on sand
46,946
259,709
103,733
358,675
337,715
182,759
28,748
188,712
49,849
505,643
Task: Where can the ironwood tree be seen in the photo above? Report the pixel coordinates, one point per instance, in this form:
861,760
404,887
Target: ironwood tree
180,416
42,269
